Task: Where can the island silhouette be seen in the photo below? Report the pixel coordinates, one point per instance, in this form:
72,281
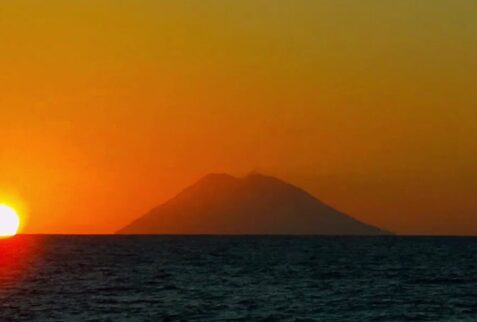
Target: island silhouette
220,204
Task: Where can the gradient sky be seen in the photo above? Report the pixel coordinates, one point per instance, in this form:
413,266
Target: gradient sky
110,107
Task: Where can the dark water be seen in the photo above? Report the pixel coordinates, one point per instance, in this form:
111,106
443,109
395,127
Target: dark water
71,278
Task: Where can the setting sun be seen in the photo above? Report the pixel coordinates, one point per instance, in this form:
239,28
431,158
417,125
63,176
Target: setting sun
9,221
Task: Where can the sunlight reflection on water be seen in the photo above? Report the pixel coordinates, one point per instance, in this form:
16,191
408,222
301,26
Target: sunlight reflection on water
16,256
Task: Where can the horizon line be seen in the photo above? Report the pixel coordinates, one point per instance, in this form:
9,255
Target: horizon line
245,235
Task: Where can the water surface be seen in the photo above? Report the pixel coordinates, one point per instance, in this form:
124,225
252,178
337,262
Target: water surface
174,278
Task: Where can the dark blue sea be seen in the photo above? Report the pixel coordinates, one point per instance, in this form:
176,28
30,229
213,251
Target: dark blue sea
173,278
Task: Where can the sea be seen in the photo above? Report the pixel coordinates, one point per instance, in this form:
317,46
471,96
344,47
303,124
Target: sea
241,278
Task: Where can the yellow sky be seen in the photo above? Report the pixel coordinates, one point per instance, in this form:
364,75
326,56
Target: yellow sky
108,108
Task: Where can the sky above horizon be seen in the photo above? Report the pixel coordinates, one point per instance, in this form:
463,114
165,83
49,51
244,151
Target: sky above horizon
108,108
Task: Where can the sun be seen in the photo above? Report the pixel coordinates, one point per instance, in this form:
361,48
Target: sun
9,221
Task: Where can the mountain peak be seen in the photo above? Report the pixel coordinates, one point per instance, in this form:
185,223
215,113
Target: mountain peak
255,204
217,177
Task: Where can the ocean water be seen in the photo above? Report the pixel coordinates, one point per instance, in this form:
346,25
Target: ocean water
173,278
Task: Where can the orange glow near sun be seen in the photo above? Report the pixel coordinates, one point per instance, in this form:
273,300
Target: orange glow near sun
9,221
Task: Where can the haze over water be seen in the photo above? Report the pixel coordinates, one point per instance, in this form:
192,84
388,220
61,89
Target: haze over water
173,278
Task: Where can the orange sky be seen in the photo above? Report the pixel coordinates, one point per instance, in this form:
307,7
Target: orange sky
108,107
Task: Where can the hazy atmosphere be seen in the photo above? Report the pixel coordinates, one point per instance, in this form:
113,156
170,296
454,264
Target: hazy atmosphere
109,108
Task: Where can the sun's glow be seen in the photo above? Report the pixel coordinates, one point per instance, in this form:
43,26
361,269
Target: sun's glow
9,221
